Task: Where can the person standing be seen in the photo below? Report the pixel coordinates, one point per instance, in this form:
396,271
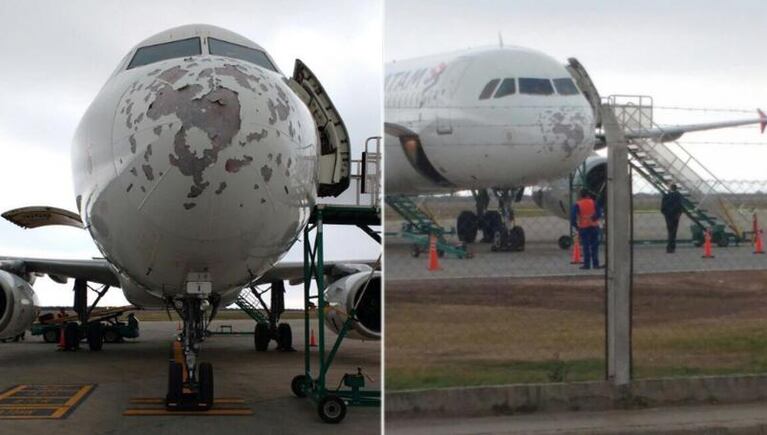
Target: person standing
671,207
585,216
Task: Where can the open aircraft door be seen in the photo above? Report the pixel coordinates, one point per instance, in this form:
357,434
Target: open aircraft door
334,161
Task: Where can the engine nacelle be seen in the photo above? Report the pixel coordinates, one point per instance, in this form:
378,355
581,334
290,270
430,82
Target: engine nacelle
350,291
18,305
554,197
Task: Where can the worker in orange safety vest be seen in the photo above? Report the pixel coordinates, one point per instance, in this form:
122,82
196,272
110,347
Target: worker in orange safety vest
585,216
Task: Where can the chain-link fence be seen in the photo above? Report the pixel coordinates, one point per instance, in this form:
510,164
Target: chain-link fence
533,316
506,316
700,308
530,314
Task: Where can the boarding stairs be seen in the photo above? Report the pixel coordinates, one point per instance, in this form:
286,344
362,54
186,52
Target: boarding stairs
420,225
248,302
706,198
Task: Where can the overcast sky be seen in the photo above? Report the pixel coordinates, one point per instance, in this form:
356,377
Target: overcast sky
690,53
57,55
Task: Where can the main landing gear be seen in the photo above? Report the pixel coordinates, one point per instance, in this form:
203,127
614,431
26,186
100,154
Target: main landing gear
190,385
270,328
497,226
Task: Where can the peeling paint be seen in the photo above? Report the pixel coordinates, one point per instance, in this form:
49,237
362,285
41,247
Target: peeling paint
157,130
234,165
217,113
147,152
173,74
279,110
194,192
221,188
148,172
188,205
278,160
240,77
132,141
134,172
257,136
266,173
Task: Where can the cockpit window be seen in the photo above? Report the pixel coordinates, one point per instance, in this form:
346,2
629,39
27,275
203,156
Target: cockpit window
565,87
535,86
487,91
508,87
168,50
228,49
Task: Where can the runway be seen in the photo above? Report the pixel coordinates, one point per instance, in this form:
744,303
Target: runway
138,369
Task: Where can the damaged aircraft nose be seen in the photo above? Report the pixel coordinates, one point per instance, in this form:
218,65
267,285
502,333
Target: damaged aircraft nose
210,123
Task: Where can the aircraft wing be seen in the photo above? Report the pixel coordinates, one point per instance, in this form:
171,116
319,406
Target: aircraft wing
293,271
674,132
96,270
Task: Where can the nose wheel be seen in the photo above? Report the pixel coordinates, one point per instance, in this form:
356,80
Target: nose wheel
190,385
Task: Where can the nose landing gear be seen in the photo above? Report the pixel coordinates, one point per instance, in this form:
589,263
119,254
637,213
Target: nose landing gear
497,226
190,385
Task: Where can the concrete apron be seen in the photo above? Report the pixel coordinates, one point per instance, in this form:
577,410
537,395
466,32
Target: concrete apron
575,396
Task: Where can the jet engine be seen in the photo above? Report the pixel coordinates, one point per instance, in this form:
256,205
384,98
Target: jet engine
555,196
360,290
18,305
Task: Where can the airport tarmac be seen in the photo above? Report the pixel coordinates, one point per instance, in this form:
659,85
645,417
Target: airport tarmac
546,260
138,368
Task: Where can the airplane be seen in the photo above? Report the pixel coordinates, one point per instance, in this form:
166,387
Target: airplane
495,120
195,169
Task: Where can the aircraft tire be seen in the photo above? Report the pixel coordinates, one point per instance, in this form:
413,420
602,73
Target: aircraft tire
71,336
467,226
175,382
490,223
205,376
284,337
516,239
261,337
95,336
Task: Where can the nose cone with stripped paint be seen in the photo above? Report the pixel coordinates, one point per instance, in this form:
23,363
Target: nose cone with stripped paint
208,164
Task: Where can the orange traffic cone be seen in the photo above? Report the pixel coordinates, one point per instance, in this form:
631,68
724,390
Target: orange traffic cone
433,257
707,244
576,256
312,340
62,343
758,247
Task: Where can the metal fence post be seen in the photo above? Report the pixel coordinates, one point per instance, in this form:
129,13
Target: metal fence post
618,252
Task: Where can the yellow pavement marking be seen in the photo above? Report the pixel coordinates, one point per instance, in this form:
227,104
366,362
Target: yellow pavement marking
79,395
212,412
12,391
21,410
157,400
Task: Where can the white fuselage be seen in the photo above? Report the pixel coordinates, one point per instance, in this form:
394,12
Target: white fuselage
471,143
203,164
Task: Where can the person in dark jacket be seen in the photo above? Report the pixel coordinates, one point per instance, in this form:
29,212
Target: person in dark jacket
671,207
585,216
